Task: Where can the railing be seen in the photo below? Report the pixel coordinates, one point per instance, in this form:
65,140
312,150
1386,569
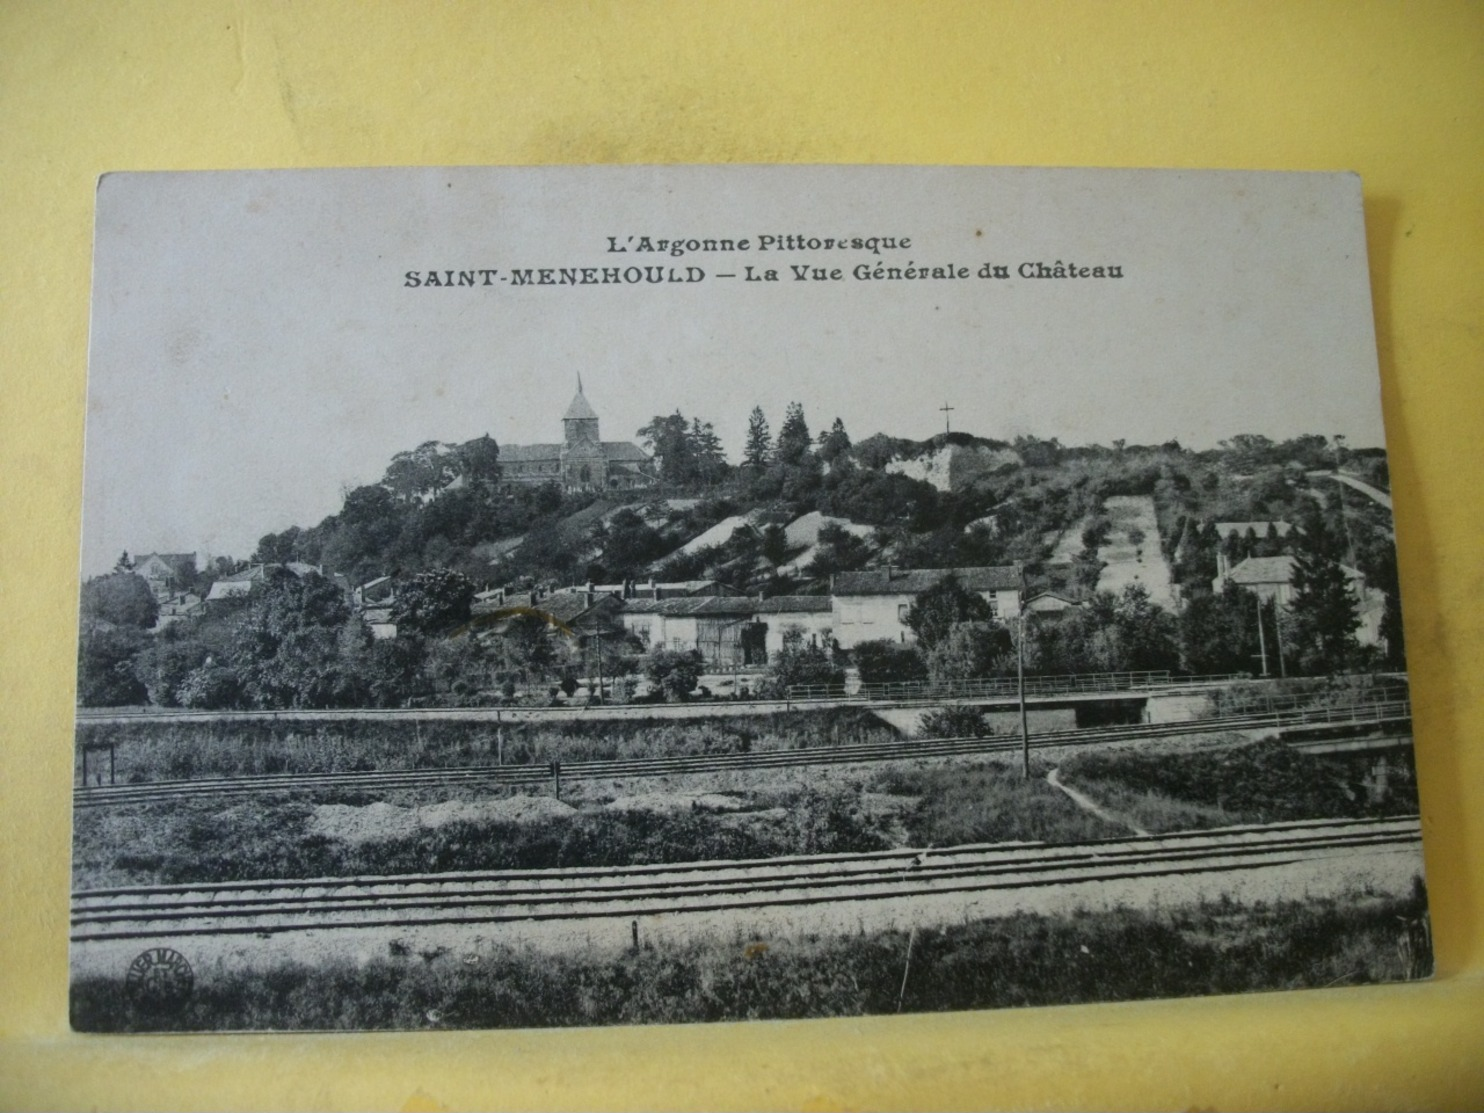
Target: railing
1007,686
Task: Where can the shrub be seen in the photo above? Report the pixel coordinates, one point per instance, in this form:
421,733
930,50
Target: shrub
960,721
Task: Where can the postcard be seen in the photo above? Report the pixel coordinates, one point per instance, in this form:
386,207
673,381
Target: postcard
577,596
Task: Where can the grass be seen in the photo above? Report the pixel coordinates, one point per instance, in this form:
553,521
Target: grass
149,752
1258,782
1216,947
274,837
989,801
196,843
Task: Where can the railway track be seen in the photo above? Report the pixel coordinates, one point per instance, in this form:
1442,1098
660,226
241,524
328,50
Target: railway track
1389,714
267,908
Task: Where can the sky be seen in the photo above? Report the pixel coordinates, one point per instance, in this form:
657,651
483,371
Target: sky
257,346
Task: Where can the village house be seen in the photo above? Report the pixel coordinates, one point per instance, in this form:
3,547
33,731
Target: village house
240,585
813,616
1055,601
715,625
583,460
670,589
872,605
1249,531
168,574
1271,578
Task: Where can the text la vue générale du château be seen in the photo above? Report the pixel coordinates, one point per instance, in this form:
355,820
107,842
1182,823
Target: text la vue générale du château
630,272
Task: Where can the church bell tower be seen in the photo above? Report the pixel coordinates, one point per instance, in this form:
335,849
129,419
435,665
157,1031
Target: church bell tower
583,461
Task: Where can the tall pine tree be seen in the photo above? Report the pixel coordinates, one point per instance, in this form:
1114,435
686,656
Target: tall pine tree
758,452
794,442
1322,615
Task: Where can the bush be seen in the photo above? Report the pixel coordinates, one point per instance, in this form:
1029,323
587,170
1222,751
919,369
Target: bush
675,673
955,722
888,662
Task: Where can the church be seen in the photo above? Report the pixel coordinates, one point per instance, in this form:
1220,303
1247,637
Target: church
582,460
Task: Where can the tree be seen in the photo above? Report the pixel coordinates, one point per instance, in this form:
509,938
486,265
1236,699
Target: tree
421,474
775,543
758,451
943,606
969,650
433,602
289,650
706,451
628,543
1218,633
794,442
277,548
798,663
838,550
883,661
163,666
675,673
478,462
669,439
1322,615
120,599
834,443
1146,632
105,666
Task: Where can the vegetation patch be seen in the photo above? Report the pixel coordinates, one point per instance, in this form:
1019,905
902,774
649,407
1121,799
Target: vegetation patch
989,802
1258,782
1216,947
148,752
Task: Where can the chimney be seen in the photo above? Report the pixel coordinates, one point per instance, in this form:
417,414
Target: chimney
588,595
654,589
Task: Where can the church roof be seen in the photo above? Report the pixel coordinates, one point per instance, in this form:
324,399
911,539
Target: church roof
624,450
579,410
529,453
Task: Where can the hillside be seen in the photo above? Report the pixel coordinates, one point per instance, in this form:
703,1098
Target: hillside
816,506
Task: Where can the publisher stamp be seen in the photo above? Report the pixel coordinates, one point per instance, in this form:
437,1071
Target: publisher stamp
160,980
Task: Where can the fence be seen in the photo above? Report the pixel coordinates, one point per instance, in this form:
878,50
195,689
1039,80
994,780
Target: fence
1006,686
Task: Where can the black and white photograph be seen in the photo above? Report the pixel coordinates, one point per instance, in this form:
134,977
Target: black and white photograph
579,596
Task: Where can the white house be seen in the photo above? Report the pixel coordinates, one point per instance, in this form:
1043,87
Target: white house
868,606
813,616
1271,578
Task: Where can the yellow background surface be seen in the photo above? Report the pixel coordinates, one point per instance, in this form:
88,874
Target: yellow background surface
1394,91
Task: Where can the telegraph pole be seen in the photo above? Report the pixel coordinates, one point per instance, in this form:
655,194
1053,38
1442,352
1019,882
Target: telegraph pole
1262,641
1025,734
945,409
1278,639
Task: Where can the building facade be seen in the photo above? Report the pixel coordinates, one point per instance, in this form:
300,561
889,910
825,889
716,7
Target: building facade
583,460
870,606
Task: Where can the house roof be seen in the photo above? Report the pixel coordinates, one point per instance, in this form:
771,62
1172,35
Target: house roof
174,561
1263,570
568,606
793,604
624,452
914,581
1074,598
699,605
229,589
